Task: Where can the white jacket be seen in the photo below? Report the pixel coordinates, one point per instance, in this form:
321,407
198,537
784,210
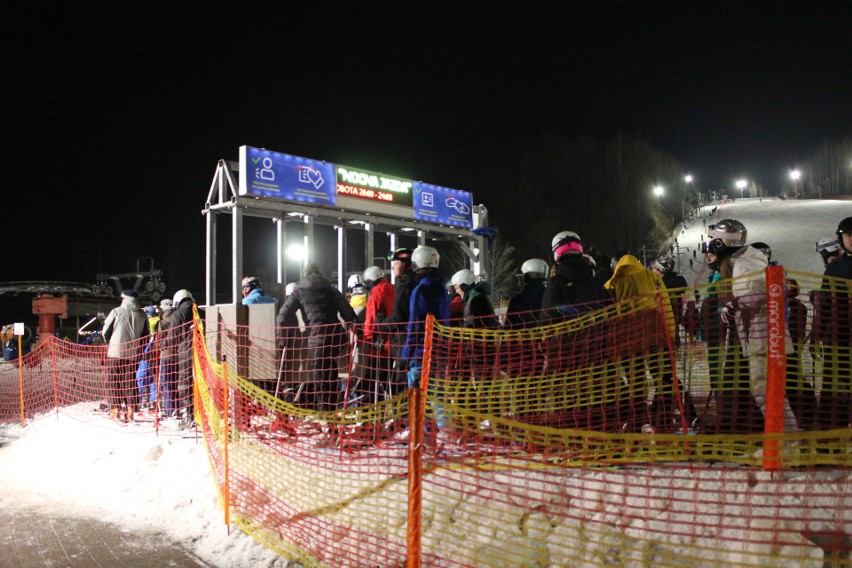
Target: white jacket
122,327
749,289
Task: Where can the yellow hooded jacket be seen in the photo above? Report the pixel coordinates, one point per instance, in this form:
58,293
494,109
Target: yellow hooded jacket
640,288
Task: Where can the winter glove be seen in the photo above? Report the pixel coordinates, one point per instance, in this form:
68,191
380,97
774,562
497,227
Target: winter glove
727,313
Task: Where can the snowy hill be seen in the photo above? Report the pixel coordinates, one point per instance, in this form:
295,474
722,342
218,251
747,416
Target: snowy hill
790,227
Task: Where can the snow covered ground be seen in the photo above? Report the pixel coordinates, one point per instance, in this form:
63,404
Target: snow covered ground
79,464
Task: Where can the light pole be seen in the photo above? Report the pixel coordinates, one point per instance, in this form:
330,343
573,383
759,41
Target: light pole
688,179
795,175
741,185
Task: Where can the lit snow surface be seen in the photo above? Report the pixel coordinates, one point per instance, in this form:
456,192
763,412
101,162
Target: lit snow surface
79,463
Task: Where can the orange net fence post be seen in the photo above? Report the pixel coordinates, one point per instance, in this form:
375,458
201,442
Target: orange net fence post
415,478
21,376
775,365
225,439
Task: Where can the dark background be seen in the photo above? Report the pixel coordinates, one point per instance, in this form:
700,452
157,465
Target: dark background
115,114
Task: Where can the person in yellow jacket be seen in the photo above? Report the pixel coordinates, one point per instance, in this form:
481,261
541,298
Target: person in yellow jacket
645,341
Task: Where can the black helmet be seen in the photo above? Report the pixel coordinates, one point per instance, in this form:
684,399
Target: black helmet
845,226
765,249
792,287
401,254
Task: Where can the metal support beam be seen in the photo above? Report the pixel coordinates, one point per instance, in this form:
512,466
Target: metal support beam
308,241
236,254
210,260
393,247
280,247
341,257
369,245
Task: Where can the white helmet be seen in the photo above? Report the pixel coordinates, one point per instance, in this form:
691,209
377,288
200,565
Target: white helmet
829,245
354,281
566,242
535,266
425,257
181,295
463,277
371,274
166,304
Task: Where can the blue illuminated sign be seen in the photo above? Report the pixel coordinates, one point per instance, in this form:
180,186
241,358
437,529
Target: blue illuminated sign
272,174
443,205
284,176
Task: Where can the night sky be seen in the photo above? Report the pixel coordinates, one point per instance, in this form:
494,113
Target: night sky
115,114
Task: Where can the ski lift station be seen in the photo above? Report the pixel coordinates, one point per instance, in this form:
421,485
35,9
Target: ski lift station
293,190
309,193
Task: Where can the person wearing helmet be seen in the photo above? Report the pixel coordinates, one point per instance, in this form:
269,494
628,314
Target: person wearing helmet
181,341
253,293
676,285
832,316
828,249
800,389
168,360
400,263
122,329
291,342
377,342
145,383
404,283
643,293
797,315
746,308
427,297
478,309
574,288
357,296
456,306
523,306
322,306
844,235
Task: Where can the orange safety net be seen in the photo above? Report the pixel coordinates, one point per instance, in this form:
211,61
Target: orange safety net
627,434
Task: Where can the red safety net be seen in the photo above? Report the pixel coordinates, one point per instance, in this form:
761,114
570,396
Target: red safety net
644,432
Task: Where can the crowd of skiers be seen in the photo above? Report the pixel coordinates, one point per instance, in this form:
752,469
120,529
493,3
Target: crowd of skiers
731,320
140,340
386,321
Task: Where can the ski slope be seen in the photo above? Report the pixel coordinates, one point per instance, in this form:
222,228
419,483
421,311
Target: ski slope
790,227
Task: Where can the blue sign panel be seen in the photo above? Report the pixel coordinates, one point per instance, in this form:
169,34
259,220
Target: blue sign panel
287,177
443,205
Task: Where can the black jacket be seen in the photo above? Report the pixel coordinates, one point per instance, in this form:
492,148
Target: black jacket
180,335
320,303
401,305
523,306
575,289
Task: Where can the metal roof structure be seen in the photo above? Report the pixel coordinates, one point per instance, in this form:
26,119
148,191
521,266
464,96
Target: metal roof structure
224,198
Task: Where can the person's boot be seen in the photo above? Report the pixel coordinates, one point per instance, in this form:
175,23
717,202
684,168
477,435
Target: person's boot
114,413
129,416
